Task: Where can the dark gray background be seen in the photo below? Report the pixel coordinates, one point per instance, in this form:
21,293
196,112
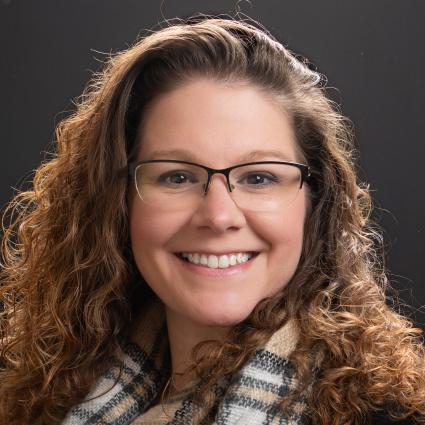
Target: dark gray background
371,51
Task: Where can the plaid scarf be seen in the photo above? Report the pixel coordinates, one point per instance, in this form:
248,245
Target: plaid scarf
124,395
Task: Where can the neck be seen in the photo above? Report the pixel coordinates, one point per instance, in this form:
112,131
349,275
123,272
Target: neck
184,335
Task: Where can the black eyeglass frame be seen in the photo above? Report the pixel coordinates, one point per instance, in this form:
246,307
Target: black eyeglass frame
305,169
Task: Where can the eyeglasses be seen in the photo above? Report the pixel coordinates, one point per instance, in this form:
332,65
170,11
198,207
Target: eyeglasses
258,186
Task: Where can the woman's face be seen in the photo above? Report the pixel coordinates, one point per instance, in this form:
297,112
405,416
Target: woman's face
216,124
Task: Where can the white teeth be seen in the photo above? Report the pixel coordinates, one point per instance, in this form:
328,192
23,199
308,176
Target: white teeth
223,261
214,261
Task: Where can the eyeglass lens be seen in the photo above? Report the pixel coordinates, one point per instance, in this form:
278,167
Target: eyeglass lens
258,187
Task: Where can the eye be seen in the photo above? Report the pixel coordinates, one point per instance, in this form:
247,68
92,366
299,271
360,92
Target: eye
258,179
177,178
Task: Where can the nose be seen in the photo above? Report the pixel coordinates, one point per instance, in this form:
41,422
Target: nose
217,210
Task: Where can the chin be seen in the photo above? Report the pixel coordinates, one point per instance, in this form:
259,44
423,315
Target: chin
222,317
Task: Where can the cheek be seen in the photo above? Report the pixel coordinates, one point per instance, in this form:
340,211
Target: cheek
142,236
284,233
285,236
284,230
146,232
151,231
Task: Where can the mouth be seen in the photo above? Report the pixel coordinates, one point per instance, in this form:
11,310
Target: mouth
213,261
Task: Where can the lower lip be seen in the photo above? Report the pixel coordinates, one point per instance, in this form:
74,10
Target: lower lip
207,271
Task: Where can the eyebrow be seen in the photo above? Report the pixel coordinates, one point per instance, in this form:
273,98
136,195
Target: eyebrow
186,155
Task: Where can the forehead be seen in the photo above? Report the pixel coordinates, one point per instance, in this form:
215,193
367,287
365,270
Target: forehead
216,124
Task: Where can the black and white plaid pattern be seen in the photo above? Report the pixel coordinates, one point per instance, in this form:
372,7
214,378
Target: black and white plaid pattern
251,397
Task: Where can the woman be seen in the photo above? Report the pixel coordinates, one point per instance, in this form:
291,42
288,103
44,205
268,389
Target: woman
199,251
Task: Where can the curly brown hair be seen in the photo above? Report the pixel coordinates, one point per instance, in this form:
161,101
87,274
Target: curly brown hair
68,274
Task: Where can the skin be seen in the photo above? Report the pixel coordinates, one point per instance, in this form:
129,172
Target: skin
216,124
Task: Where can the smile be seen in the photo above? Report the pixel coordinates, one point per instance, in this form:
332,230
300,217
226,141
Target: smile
217,261
217,266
